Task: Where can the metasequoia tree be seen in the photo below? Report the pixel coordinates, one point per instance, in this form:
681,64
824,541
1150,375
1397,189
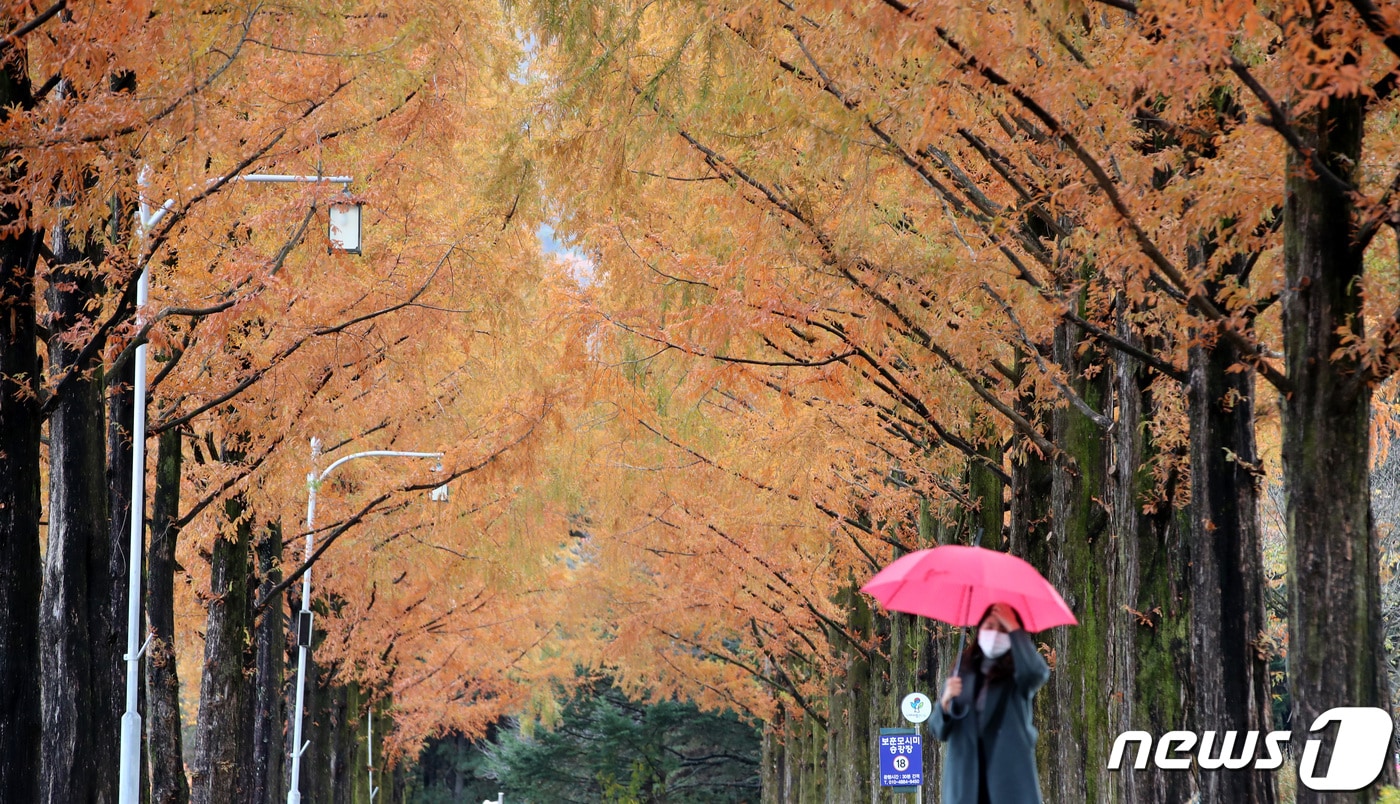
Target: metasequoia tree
20,507
425,345
428,344
854,278
1043,241
60,191
259,337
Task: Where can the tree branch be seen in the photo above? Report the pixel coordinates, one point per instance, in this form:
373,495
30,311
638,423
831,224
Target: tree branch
370,508
1377,24
13,37
288,351
1278,120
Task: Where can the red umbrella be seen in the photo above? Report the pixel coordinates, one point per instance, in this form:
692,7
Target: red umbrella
956,584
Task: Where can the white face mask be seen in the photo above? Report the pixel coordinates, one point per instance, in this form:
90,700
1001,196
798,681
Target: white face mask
993,643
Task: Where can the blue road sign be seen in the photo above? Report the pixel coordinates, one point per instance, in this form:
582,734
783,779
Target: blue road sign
901,760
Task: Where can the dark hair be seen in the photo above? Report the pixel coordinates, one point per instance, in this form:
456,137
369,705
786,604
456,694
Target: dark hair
971,660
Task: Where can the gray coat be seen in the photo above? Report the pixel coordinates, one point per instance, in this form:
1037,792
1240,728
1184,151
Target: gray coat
1011,777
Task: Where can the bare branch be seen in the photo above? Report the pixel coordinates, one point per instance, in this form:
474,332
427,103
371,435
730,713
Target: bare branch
1279,121
24,30
370,508
691,350
1104,422
292,349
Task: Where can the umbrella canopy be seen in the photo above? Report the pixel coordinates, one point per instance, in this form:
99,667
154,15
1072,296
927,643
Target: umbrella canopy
956,584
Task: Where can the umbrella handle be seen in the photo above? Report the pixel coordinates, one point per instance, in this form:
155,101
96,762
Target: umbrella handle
967,603
962,635
957,657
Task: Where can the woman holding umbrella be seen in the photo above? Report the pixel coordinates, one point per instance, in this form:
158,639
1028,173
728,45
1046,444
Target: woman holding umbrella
985,711
984,715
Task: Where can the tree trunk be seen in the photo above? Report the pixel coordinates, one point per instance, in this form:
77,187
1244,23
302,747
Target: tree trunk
849,717
165,751
20,506
119,402
458,778
800,754
246,712
400,785
1335,652
1149,625
79,642
1229,656
327,774
315,763
289,660
351,777
1031,474
1075,700
773,776
270,649
222,736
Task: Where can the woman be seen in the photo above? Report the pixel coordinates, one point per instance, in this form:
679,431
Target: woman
985,716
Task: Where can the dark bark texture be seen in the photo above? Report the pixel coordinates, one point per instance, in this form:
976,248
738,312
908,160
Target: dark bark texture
289,661
1334,620
270,648
1229,654
80,644
222,739
1148,614
1072,706
325,771
20,507
120,409
165,749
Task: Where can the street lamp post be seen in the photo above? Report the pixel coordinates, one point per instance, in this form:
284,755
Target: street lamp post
129,758
369,751
304,617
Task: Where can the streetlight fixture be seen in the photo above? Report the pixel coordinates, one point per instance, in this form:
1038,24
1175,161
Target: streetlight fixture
344,229
304,617
129,758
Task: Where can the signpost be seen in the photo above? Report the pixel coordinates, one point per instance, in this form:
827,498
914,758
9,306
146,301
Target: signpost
901,760
916,707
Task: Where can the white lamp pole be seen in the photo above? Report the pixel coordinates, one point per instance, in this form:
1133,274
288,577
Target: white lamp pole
129,776
369,748
304,617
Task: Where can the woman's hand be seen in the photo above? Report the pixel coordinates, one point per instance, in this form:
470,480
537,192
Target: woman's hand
1005,616
952,688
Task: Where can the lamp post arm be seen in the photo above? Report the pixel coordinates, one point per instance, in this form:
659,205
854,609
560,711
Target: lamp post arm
149,220
129,747
287,179
251,178
304,617
373,453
